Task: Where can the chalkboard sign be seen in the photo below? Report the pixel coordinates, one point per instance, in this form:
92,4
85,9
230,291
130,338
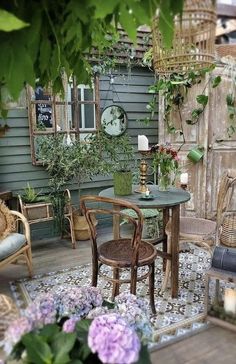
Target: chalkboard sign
43,110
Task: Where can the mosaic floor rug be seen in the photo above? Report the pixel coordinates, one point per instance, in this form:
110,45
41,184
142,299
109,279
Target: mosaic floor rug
175,318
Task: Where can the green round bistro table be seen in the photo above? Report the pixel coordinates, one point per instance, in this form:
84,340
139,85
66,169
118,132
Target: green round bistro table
169,201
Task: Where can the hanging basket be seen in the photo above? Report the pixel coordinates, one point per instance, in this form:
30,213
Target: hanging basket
193,42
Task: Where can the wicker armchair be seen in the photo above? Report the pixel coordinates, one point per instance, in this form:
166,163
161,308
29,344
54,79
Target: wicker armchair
203,232
123,253
12,244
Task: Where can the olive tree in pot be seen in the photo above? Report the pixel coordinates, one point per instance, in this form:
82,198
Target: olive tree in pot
60,160
64,163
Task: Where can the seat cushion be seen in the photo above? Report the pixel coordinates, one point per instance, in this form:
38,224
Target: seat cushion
11,244
119,253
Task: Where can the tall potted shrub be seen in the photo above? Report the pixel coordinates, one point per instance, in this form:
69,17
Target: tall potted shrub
64,163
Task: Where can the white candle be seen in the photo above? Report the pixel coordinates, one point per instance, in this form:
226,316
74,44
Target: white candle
142,142
184,178
147,193
230,300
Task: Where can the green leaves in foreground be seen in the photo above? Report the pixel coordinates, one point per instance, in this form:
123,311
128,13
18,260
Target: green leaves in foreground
9,22
59,35
50,346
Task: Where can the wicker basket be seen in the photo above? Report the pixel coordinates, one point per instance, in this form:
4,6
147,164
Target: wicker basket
193,43
228,230
8,313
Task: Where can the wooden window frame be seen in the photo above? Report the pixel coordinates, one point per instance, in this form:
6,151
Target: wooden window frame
56,101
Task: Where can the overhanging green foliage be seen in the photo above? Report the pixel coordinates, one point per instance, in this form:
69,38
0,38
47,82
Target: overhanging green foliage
60,33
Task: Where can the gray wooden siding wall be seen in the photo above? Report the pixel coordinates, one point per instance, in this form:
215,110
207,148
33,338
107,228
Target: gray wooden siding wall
129,90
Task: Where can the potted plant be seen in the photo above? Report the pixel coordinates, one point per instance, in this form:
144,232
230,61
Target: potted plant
59,160
122,175
79,160
165,161
119,157
34,205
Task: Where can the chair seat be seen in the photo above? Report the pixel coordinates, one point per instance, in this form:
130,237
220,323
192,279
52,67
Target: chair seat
11,244
119,253
192,227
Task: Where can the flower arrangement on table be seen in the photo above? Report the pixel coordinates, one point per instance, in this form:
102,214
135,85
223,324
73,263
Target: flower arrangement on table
77,326
166,162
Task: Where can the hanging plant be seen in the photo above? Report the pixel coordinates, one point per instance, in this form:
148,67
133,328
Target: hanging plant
174,88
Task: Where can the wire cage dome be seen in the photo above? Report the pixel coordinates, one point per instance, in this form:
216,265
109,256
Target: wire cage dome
193,45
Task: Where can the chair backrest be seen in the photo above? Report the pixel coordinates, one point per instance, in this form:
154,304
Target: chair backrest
112,207
225,194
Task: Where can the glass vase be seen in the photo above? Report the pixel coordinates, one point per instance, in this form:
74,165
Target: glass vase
164,181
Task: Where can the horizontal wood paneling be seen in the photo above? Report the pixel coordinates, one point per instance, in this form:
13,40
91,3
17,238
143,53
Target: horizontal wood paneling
129,90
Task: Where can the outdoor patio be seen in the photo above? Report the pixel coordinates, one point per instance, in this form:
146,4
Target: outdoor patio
211,344
117,182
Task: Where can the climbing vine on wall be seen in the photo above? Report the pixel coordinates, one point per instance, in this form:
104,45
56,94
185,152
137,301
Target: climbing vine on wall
174,88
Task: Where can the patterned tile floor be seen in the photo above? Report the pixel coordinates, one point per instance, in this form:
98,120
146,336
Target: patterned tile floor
175,318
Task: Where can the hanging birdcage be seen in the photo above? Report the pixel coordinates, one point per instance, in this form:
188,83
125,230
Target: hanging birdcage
193,45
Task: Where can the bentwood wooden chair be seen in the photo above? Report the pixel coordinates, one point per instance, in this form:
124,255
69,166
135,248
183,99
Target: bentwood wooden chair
199,231
123,253
12,244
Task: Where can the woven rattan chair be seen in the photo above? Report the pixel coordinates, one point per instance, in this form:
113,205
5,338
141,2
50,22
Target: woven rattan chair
203,232
123,253
12,244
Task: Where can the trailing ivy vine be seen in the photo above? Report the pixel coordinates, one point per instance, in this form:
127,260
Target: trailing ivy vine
174,88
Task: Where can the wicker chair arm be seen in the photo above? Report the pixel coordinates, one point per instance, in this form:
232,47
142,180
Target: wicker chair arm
25,223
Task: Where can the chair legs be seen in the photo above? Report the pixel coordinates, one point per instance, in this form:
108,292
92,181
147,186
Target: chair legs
168,264
95,274
115,287
151,288
28,258
133,281
168,267
72,232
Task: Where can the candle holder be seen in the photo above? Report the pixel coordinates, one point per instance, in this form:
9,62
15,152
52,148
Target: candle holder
143,171
184,186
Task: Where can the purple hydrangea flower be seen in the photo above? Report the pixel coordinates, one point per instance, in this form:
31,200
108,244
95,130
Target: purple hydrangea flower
15,331
98,311
135,311
113,340
78,301
42,311
69,325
